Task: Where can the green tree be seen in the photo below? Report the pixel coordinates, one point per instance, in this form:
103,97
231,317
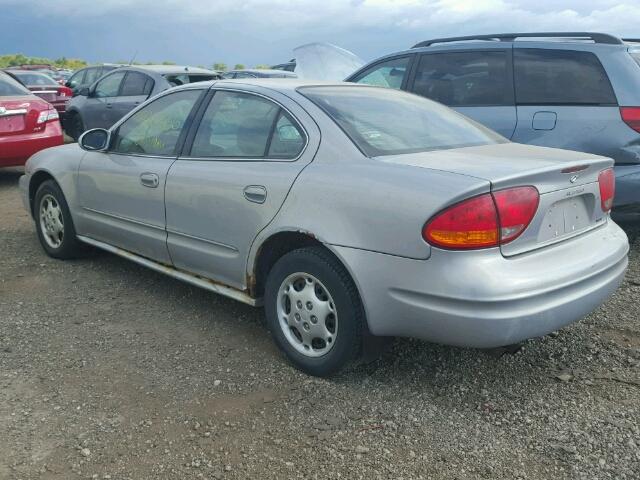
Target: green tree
262,66
239,66
222,67
168,62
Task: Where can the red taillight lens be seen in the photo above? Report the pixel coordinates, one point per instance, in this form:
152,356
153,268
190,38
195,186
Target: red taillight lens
484,221
65,92
631,116
607,183
516,208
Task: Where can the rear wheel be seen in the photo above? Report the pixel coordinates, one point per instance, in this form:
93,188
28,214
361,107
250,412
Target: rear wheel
74,126
54,225
314,311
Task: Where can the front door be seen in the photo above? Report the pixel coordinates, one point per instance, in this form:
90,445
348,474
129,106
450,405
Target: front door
98,111
121,191
245,156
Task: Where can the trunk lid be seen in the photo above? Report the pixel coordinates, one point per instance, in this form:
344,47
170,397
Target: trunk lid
567,182
20,114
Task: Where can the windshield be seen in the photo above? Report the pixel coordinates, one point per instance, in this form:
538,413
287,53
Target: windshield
382,121
34,79
10,88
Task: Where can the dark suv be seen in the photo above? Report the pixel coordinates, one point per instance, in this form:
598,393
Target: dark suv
579,91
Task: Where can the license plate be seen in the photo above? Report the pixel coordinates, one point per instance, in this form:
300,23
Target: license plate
11,124
565,218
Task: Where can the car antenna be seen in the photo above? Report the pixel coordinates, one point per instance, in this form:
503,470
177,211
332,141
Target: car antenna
133,58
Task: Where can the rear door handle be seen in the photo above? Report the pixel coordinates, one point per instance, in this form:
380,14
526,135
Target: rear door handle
150,180
255,193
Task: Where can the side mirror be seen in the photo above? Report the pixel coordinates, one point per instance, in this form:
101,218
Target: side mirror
95,140
84,91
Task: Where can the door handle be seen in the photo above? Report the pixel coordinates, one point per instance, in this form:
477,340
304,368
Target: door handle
109,105
255,193
150,180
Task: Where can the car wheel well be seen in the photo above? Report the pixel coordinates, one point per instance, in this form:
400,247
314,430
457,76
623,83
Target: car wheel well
37,179
271,251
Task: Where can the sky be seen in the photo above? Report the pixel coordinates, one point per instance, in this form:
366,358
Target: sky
251,32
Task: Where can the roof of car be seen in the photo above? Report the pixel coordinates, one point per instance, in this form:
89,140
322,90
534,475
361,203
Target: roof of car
288,84
171,69
268,71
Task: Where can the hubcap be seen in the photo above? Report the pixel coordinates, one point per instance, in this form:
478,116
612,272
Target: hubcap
307,314
51,221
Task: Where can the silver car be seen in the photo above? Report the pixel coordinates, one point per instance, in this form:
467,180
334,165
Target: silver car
349,211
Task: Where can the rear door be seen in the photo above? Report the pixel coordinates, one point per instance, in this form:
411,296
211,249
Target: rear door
245,154
564,99
136,88
476,83
98,110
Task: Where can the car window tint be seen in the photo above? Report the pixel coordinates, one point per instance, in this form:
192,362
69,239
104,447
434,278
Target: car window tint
77,79
287,140
136,84
556,77
36,79
235,125
9,87
386,74
109,85
155,129
464,78
91,76
366,115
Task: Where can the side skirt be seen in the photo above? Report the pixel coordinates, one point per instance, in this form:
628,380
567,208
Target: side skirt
175,273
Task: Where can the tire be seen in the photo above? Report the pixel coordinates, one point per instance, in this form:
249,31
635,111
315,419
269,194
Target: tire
54,224
74,126
318,345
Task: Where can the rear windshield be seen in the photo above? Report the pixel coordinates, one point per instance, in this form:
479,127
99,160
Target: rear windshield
36,79
184,78
382,121
10,88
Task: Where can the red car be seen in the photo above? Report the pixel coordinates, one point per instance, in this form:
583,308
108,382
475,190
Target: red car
28,124
45,87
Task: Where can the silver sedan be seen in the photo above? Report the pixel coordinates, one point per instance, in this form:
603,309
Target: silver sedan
350,212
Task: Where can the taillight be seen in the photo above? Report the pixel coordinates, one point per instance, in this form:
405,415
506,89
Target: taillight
631,116
65,92
607,183
484,221
47,116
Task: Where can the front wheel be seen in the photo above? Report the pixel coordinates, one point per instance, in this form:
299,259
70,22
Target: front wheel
74,126
314,311
54,225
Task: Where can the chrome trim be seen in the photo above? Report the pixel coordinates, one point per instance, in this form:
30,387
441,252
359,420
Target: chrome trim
204,240
175,273
19,111
125,219
45,91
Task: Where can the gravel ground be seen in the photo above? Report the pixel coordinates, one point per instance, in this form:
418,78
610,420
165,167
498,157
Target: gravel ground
108,370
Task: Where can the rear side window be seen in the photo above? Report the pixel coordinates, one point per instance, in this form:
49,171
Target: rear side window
184,78
560,77
136,84
465,78
241,125
390,73
10,88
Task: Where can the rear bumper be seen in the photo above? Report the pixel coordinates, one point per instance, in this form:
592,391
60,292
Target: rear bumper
482,299
15,150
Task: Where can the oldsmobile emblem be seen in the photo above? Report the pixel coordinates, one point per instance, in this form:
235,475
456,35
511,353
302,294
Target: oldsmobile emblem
574,179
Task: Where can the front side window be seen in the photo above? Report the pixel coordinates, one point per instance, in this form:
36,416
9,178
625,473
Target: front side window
76,79
109,86
465,78
136,84
383,121
241,125
560,77
155,129
390,73
91,76
10,88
